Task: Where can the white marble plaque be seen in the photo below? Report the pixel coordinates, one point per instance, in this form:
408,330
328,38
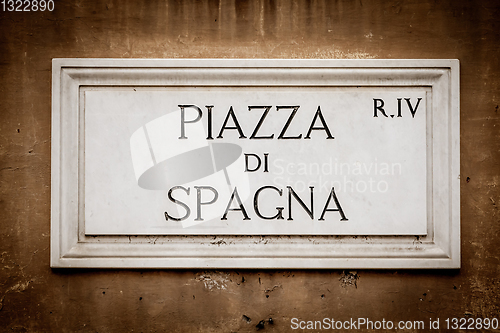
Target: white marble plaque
193,163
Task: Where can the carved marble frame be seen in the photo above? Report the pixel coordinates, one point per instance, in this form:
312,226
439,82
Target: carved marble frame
440,248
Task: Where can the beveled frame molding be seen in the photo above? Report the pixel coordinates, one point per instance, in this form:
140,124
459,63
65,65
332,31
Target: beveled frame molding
440,248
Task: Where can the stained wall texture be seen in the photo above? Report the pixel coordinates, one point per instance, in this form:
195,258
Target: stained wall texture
35,298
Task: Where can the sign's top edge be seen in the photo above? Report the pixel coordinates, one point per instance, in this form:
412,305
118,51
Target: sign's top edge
217,62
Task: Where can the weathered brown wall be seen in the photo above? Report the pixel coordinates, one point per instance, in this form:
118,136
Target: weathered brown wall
35,298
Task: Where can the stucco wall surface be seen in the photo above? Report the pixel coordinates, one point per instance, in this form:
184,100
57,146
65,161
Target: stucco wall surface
35,298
